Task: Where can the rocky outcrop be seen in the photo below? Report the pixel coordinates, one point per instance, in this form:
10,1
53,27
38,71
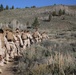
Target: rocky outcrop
16,24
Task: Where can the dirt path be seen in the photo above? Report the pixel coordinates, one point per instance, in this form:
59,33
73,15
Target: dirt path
7,69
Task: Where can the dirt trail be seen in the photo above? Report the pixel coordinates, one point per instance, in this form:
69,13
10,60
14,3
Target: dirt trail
7,69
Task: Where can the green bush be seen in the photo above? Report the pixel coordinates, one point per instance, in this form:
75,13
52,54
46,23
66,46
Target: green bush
54,13
35,24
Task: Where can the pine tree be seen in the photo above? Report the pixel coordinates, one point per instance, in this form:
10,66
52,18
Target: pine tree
60,12
12,7
7,7
1,7
35,23
33,6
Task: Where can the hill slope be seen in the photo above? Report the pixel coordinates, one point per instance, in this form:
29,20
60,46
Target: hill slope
28,14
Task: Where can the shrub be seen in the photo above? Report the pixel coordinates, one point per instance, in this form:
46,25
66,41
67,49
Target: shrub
50,17
35,24
40,60
60,12
1,8
54,13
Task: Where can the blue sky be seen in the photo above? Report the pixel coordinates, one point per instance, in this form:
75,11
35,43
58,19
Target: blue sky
38,3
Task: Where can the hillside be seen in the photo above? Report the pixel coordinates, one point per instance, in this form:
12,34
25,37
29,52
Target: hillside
54,56
28,14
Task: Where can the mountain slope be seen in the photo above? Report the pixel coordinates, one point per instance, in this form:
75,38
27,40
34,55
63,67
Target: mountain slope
28,14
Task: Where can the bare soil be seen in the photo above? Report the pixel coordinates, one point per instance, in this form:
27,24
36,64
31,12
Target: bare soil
7,70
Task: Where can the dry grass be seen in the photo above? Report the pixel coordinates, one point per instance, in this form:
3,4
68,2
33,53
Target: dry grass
57,63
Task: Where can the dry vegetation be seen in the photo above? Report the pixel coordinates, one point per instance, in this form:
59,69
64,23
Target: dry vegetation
45,59
54,57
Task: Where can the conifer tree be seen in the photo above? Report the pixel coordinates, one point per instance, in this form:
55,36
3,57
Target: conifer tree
7,7
63,12
54,13
12,7
60,12
35,23
1,7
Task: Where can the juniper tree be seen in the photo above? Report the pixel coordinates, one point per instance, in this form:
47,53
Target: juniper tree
1,7
35,24
54,13
7,7
60,12
63,12
12,7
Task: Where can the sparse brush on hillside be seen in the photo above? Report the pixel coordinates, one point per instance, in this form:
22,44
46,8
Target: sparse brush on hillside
42,60
28,14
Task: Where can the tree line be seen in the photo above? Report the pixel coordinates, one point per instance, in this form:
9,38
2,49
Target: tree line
12,7
5,8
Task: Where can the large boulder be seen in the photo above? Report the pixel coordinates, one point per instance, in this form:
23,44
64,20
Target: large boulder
16,24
